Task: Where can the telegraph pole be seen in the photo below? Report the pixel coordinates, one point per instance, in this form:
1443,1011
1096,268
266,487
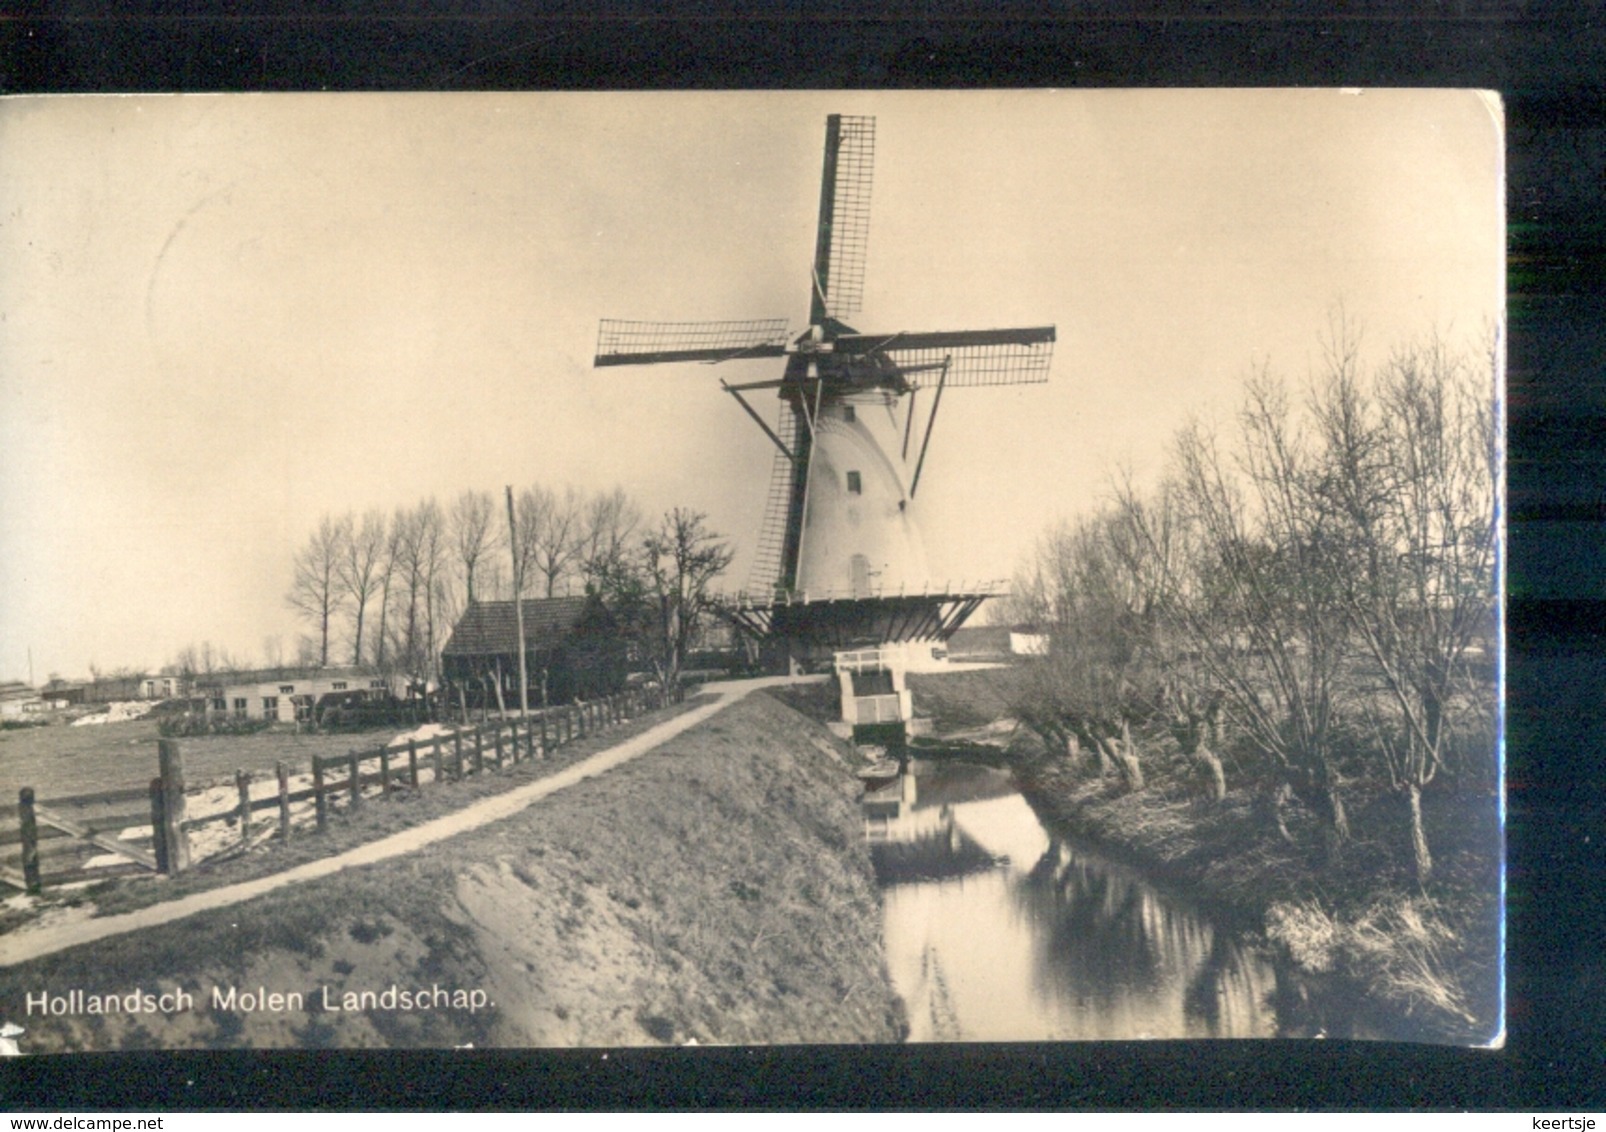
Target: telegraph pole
518,607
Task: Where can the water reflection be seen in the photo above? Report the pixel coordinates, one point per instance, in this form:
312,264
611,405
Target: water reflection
995,931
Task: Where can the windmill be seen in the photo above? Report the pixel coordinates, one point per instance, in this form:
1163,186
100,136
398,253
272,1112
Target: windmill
840,561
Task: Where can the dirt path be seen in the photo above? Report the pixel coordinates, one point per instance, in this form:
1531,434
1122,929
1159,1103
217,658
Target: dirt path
21,946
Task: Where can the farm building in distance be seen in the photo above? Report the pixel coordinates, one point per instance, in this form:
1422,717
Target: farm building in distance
292,696
573,649
59,693
18,699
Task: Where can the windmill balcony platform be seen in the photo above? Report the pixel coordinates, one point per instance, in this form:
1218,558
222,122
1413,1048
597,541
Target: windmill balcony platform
823,623
810,628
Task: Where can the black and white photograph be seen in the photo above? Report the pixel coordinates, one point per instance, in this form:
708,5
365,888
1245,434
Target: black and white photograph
571,570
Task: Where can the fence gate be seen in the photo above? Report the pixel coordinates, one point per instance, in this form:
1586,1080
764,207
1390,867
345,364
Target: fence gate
59,841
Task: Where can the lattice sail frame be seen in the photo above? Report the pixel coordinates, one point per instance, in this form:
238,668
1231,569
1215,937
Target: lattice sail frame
850,216
765,574
976,366
626,342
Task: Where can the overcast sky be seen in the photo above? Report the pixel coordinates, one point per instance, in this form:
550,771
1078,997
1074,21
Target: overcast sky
224,316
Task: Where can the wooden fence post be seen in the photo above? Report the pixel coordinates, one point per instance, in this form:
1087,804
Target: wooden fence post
30,841
479,750
159,825
546,743
384,771
355,779
412,762
457,753
496,739
242,783
283,773
435,759
170,759
320,803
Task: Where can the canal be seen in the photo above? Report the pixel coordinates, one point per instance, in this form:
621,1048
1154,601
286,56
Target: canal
997,930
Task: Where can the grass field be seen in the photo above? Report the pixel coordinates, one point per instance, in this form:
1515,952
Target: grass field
59,760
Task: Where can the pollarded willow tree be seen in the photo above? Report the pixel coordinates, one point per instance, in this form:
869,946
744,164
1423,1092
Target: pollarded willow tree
1403,486
1101,680
1324,581
1252,630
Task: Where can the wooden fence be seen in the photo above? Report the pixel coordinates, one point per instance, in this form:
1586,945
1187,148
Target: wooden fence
59,842
156,837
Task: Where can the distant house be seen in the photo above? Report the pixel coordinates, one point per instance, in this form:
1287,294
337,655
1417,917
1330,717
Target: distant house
163,687
113,689
293,696
573,648
1028,640
18,699
60,693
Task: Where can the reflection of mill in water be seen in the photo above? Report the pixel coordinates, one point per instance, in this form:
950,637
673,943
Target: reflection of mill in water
913,834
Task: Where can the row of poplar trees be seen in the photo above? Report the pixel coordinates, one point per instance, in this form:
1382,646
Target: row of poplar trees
386,589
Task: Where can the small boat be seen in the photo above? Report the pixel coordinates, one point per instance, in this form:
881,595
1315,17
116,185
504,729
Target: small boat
883,772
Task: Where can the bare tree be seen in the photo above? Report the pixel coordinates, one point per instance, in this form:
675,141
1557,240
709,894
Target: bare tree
558,537
419,556
1405,491
660,594
473,536
1099,681
187,661
530,514
387,573
1258,623
315,592
359,571
607,525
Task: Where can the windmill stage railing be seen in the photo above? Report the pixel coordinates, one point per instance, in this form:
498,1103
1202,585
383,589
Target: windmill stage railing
752,598
833,619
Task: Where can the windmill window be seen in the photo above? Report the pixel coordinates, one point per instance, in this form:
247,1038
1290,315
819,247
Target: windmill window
854,486
270,707
847,413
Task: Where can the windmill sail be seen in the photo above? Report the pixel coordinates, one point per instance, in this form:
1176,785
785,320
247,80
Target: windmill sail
973,357
625,343
767,572
840,559
843,238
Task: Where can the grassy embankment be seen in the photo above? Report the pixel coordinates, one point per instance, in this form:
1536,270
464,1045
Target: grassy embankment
713,889
1430,954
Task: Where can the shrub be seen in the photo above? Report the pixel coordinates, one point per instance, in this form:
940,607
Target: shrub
185,726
